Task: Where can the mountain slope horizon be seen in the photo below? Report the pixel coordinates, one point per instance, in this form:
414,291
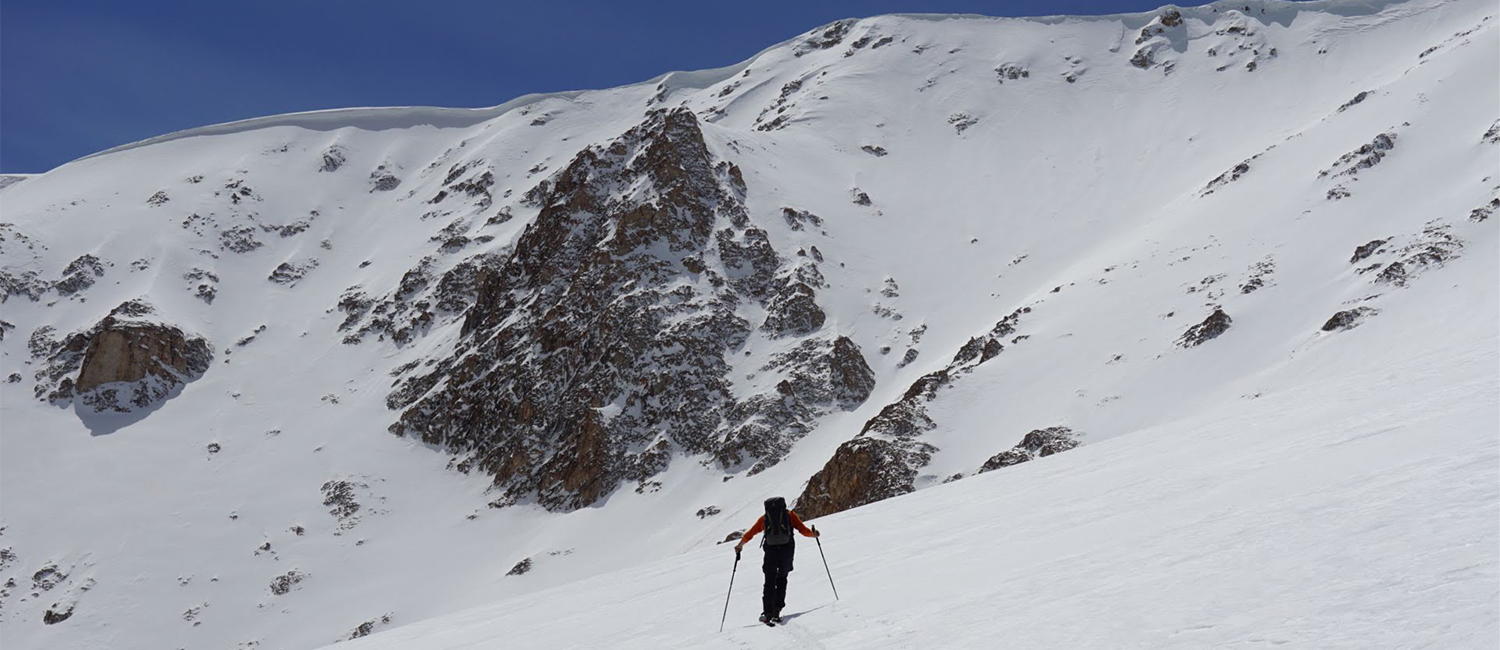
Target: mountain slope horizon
300,378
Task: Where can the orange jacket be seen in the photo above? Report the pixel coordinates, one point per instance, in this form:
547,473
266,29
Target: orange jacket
760,525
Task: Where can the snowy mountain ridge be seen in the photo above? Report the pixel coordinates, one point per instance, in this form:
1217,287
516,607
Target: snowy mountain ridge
885,255
388,117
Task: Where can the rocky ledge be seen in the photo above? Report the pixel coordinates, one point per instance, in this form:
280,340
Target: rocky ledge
125,362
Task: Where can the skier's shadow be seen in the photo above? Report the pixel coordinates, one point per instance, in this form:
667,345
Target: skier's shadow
789,617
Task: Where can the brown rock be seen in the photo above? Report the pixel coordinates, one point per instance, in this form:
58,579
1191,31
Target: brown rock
863,470
123,351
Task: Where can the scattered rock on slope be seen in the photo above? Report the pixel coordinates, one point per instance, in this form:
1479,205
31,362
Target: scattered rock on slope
79,275
884,459
1365,250
1348,319
364,629
283,584
521,568
1037,444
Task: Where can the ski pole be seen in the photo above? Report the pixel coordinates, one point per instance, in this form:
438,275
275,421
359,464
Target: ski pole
731,589
819,540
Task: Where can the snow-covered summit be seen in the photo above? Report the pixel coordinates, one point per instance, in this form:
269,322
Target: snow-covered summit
455,356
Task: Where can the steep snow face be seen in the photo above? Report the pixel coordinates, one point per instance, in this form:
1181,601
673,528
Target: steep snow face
884,255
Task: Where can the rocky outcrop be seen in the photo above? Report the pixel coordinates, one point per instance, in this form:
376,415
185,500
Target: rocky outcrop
1483,212
639,260
80,275
1230,176
862,471
819,376
1217,323
794,311
1358,98
1366,156
1348,319
824,37
283,584
57,613
125,362
884,459
1365,250
364,629
1039,443
1012,72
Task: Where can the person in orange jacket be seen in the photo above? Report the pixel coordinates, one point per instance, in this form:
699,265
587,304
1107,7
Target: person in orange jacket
778,524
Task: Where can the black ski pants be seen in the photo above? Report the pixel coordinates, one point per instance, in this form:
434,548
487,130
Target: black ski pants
777,564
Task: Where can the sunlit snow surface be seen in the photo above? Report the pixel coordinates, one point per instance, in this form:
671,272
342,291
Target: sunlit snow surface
1309,519
1278,484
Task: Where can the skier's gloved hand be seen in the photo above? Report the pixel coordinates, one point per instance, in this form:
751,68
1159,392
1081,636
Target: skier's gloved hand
815,532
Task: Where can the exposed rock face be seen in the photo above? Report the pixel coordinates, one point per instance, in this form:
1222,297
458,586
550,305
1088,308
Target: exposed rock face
794,311
1012,72
1228,177
884,459
1348,319
1217,323
820,376
1430,249
849,374
291,272
863,470
1037,444
1366,156
824,38
1366,250
57,614
123,363
333,159
1483,212
364,629
284,583
521,568
638,261
1362,96
80,275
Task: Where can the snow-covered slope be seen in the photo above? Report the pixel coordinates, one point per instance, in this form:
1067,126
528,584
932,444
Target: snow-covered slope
865,262
1307,519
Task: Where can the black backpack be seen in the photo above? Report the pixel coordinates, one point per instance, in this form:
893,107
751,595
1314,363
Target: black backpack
778,523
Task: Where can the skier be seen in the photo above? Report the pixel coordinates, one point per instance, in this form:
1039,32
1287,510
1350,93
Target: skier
779,546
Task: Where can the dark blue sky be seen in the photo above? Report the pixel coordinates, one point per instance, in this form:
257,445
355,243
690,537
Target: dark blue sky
80,76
